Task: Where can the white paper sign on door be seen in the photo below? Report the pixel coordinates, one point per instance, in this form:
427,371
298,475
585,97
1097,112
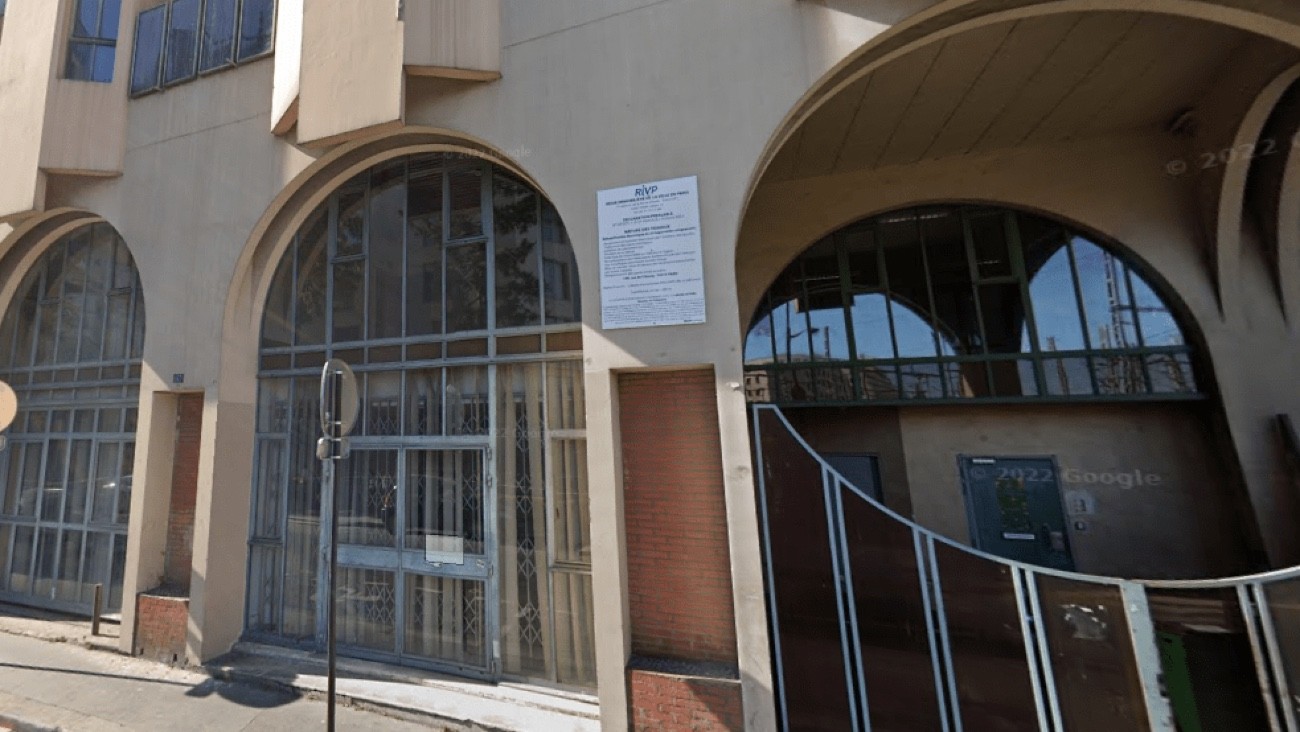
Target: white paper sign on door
651,263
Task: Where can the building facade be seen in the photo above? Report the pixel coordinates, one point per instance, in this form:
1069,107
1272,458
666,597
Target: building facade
1022,273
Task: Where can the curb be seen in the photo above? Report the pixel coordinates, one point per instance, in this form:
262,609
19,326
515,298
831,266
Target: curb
405,714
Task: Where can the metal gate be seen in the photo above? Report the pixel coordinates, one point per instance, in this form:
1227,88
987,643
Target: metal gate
880,624
416,542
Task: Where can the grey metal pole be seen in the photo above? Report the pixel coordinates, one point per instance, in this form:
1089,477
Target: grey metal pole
336,407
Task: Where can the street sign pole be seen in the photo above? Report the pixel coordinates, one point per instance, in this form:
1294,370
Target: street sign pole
338,414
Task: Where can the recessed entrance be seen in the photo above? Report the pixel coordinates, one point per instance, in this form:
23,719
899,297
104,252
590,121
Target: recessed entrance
1015,509
451,289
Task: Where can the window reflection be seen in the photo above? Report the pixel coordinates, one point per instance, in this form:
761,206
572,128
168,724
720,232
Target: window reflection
963,302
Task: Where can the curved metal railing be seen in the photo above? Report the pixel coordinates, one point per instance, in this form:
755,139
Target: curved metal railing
934,634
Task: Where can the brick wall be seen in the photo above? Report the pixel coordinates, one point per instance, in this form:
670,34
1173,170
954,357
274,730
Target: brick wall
678,559
679,571
185,482
160,627
665,702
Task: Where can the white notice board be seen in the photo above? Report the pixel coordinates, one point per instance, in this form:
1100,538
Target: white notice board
651,265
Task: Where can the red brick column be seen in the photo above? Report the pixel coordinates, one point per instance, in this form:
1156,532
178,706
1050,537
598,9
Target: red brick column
185,485
683,674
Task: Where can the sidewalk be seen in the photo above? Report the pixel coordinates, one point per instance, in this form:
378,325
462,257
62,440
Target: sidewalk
53,673
46,685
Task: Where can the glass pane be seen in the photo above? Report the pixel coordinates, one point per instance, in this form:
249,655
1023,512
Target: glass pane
302,526
424,253
521,487
102,63
74,507
988,649
74,286
873,335
47,550
905,269
85,23
465,188
110,18
758,342
382,408
920,381
277,320
67,582
575,643
1003,310
466,288
124,484
989,237
311,297
559,270
97,562
20,579
106,475
1056,310
572,539
268,488
444,620
1092,656
1067,377
444,504
367,609
349,300
116,573
1119,375
89,62
424,402
514,221
1171,373
367,489
182,41
565,401
116,328
218,34
824,301
954,298
6,535
1101,280
273,406
55,469
264,589
256,26
789,321
350,233
467,400
1158,325
387,206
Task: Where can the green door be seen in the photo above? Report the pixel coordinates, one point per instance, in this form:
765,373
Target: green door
1015,509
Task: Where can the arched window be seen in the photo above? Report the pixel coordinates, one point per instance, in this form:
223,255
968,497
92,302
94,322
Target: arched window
959,303
452,290
70,345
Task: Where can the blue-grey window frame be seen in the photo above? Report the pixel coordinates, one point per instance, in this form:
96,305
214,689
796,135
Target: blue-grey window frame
857,366
236,58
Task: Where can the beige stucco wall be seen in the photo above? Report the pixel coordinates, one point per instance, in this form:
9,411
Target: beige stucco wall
593,95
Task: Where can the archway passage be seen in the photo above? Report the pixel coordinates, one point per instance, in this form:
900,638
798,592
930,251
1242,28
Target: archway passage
451,288
1008,381
70,345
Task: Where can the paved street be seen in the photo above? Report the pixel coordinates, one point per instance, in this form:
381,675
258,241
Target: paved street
59,685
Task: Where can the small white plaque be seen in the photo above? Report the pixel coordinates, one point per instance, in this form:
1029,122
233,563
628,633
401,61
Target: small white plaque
651,263
440,549
1016,536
